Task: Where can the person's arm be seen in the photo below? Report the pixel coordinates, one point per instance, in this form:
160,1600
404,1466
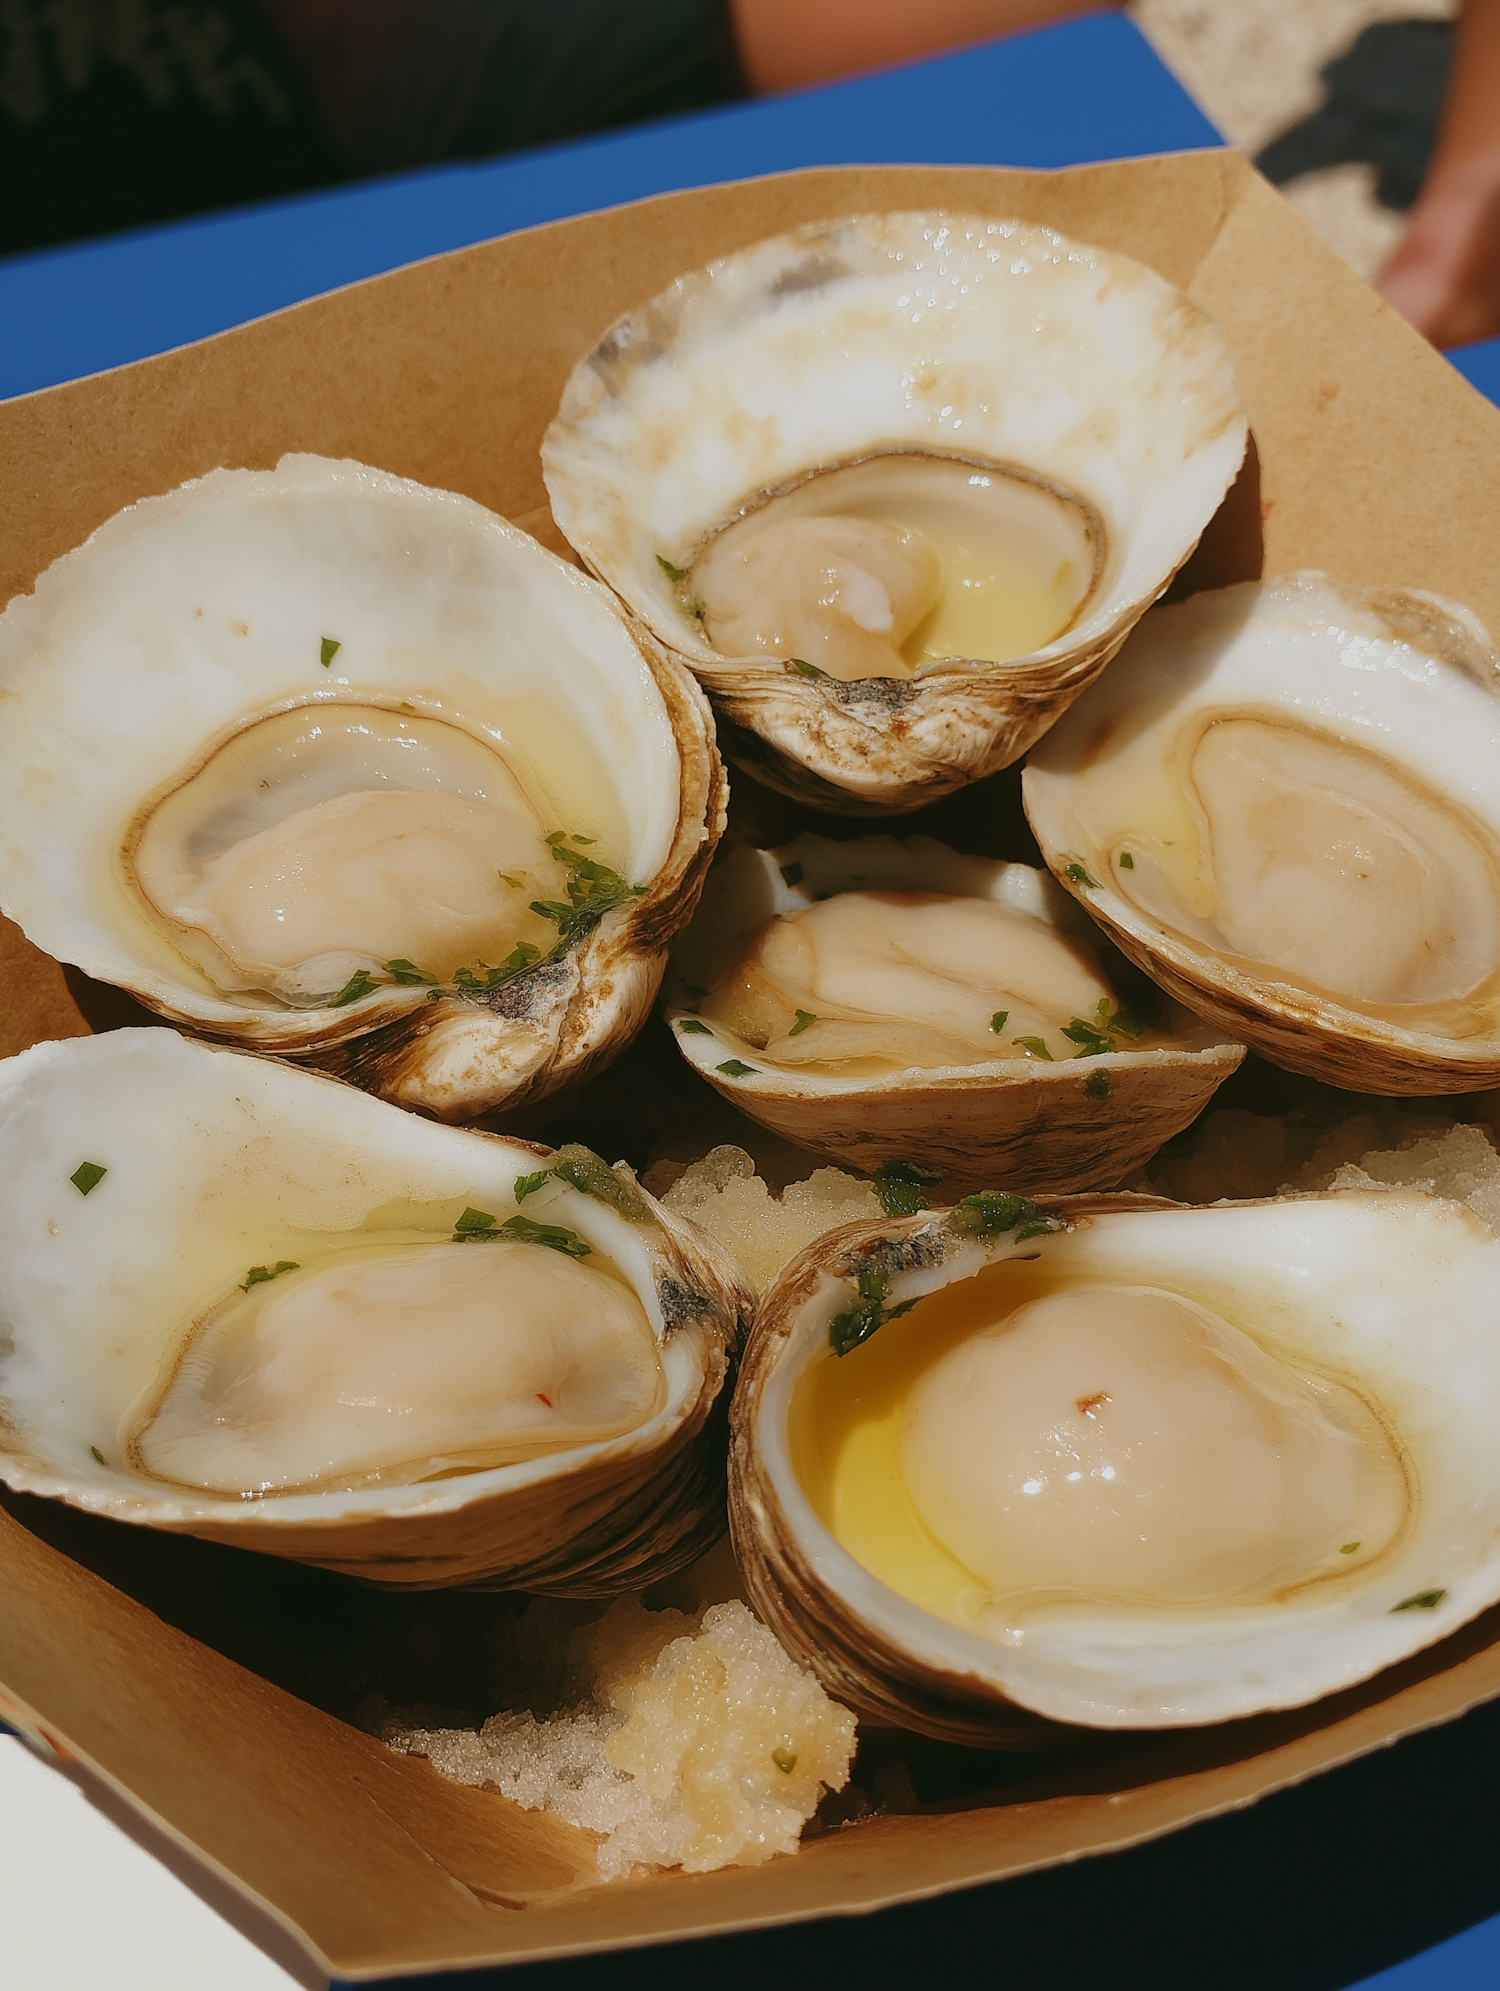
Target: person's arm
785,44
1445,277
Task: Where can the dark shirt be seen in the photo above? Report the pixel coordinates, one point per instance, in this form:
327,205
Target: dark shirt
115,113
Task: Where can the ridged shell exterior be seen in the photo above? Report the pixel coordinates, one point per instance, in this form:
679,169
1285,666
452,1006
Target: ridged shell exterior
1412,678
198,1142
1036,1127
952,334
1392,1291
114,685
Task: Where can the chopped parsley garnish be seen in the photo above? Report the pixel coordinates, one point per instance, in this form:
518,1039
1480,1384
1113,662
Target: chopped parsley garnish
899,1185
511,878
259,1275
989,1215
998,1020
785,1760
1080,876
1096,1085
1095,1039
360,983
805,1018
97,1456
735,1068
1127,862
1348,1548
673,574
520,957
556,1237
1091,1042
847,1330
593,890
581,1168
528,1185
330,649
803,668
1424,1600
410,976
474,1223
691,1027
1034,1047
791,874
87,1176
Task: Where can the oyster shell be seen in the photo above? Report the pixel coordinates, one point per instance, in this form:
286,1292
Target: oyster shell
1281,804
248,1303
871,1037
298,757
1122,1467
896,487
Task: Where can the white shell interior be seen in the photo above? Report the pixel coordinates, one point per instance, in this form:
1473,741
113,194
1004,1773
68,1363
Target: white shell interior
1111,770
952,334
217,1161
187,614
1394,1293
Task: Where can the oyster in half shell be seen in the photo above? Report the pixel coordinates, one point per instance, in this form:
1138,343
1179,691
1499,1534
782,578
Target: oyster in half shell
896,487
878,1000
245,1302
322,762
1281,803
1009,1465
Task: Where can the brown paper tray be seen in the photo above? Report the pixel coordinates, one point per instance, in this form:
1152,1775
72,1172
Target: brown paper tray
204,1685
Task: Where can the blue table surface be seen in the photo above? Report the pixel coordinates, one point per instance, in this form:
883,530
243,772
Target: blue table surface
1371,1868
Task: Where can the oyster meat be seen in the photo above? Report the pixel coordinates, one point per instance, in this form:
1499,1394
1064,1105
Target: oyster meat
247,1302
877,1000
896,487
321,762
1121,1464
1281,804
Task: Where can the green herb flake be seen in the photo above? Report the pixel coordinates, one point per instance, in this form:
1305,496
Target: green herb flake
528,1185
330,649
846,1331
1090,1041
785,1760
593,890
673,574
791,874
1127,862
999,1020
474,1223
1034,1047
582,1169
360,983
97,1456
260,1275
1424,1600
990,1215
803,668
805,1019
87,1176
556,1237
691,1027
1096,1085
736,1068
900,1186
520,957
1348,1548
513,879
1080,876
410,976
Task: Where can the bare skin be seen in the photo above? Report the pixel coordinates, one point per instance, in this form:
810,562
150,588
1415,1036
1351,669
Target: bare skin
788,44
1445,277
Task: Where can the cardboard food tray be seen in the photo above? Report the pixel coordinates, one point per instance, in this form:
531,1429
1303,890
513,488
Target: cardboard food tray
212,1689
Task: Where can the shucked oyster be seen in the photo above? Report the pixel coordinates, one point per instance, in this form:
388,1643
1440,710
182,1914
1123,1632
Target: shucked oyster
877,1001
325,763
1281,803
246,1302
1006,1465
896,487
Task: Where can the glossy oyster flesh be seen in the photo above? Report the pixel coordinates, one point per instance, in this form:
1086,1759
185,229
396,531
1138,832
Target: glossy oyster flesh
1007,1467
249,1303
877,1000
896,486
322,762
1281,804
